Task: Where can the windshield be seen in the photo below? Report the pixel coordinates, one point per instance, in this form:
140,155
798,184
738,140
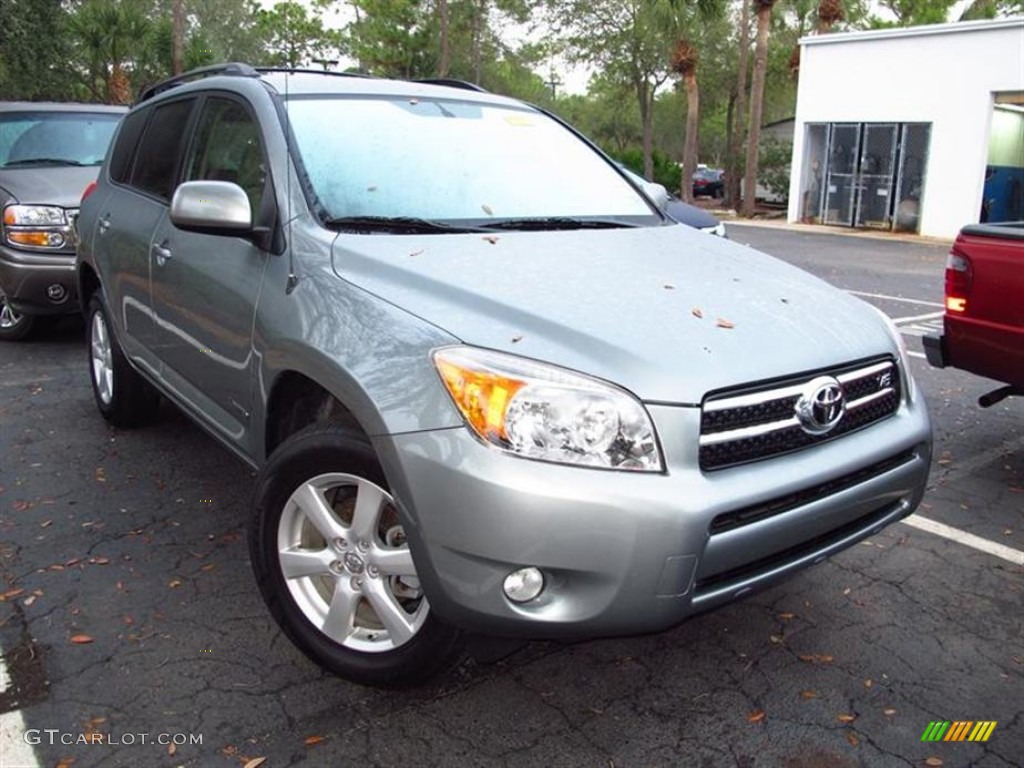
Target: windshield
441,160
54,138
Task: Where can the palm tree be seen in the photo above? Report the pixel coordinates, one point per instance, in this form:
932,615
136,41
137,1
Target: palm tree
830,13
684,63
444,63
764,17
178,44
112,36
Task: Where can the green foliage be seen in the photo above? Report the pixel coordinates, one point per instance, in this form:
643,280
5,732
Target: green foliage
773,163
666,171
32,56
293,37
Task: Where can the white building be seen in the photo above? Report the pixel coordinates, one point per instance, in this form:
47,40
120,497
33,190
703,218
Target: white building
916,129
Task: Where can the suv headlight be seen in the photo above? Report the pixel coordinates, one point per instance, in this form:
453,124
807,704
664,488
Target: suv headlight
36,226
539,411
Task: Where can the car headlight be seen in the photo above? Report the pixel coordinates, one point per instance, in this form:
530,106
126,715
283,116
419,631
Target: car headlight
539,411
36,226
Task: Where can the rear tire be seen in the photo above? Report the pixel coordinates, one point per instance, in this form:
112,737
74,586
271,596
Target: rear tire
123,397
334,567
14,326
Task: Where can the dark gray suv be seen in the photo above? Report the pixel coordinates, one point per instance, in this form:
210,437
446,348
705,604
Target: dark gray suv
486,384
49,153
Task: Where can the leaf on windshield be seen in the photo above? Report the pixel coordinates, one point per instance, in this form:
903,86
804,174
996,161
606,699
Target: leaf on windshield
487,209
669,287
418,253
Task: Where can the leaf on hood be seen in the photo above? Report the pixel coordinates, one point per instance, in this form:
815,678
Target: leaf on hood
724,323
418,253
516,339
490,239
697,312
487,209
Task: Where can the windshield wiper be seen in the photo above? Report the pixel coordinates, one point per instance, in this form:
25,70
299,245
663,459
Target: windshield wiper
558,222
398,224
44,161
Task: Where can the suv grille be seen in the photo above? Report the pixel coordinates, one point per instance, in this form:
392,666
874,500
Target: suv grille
761,421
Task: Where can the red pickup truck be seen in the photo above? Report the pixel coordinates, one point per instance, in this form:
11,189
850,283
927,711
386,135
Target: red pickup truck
984,321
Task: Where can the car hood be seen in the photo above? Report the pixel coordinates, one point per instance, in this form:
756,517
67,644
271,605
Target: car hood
47,185
666,312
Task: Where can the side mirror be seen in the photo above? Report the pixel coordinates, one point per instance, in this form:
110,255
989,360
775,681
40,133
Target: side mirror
211,207
657,193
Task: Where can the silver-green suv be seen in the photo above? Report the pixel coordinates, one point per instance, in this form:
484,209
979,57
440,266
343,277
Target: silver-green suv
486,384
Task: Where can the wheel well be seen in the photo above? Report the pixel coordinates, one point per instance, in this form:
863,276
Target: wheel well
296,402
88,284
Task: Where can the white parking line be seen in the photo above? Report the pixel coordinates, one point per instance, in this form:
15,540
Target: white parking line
916,318
1001,551
14,752
895,298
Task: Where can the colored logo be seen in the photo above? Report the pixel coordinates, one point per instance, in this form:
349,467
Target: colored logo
958,730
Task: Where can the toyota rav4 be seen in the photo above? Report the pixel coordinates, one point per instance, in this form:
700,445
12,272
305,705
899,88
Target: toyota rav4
486,384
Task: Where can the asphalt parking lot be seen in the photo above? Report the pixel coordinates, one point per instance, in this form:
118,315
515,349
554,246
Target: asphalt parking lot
133,633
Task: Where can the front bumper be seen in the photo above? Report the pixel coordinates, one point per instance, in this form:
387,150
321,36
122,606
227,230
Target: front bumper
626,553
39,283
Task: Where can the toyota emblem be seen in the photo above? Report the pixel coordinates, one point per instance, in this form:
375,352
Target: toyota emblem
821,406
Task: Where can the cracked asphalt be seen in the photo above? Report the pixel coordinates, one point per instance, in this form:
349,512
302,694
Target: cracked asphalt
129,610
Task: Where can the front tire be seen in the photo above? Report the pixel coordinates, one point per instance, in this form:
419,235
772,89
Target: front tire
14,326
332,562
123,397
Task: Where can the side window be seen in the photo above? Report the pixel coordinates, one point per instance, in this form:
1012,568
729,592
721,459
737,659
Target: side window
127,141
228,148
157,157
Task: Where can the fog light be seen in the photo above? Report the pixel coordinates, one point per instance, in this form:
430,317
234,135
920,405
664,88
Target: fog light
57,292
523,585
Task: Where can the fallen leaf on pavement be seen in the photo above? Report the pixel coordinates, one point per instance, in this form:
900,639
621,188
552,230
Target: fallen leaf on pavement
888,711
311,740
787,616
174,583
81,639
757,716
776,639
11,593
844,718
854,741
808,694
934,762
171,749
256,762
99,560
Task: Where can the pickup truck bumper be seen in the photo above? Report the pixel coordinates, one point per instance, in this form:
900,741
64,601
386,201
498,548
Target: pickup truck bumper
935,350
38,284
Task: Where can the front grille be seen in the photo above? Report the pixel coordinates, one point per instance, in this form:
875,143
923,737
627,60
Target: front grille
761,421
737,518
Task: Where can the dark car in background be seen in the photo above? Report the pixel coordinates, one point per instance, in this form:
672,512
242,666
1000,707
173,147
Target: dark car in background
709,181
49,154
684,213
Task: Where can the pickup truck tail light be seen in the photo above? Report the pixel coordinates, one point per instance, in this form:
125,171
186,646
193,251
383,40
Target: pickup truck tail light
959,278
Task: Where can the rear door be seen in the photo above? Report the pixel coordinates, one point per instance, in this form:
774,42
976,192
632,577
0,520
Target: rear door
143,169
204,287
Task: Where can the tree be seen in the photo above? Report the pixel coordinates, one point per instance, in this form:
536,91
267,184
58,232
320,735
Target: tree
625,39
444,63
110,37
294,36
910,13
178,43
991,9
32,51
764,16
737,136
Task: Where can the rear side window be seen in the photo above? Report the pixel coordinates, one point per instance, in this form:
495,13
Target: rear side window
127,141
157,158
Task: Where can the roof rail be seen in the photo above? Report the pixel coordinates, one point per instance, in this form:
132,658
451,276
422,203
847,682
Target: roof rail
300,71
234,68
451,83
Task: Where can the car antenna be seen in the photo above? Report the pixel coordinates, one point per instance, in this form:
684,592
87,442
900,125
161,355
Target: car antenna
293,280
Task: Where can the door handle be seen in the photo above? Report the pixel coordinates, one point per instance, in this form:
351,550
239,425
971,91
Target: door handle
162,254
